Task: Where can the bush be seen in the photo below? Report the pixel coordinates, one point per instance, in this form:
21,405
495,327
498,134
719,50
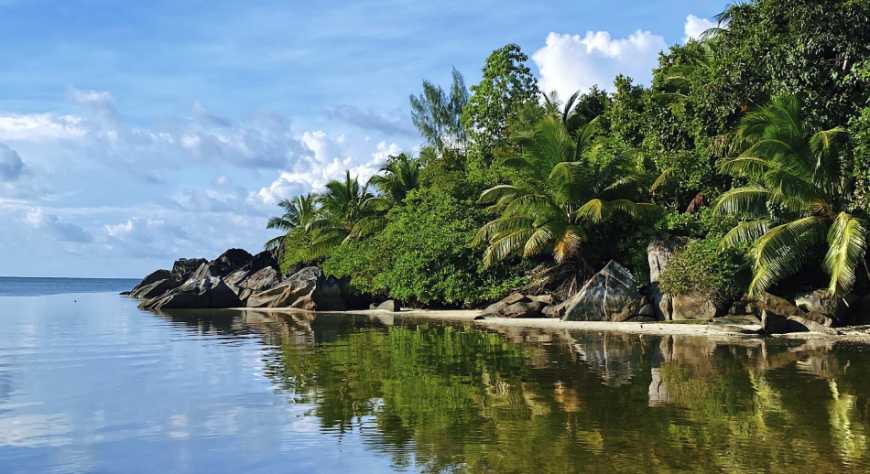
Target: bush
700,267
423,256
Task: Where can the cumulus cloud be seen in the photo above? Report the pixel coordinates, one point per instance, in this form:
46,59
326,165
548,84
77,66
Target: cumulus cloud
395,124
59,229
569,63
327,159
11,165
695,27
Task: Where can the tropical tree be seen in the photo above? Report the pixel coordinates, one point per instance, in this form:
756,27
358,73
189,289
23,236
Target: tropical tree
397,178
796,195
438,116
559,193
343,209
299,213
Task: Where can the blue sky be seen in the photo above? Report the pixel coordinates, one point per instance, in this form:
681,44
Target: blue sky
133,133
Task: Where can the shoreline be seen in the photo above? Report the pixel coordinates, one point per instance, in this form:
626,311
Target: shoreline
856,334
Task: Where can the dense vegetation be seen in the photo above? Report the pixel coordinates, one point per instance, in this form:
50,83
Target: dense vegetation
753,141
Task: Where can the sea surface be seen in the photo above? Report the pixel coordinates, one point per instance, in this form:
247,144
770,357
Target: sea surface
91,384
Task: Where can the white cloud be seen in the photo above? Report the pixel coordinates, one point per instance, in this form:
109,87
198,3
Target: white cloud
696,26
41,127
327,159
11,165
569,63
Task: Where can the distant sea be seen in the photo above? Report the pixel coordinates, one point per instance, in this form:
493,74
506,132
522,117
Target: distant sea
39,286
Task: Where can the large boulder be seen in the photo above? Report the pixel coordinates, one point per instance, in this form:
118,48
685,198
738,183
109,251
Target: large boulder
692,306
204,289
518,305
658,253
820,301
260,280
227,262
150,279
610,295
388,305
154,289
183,268
779,316
307,289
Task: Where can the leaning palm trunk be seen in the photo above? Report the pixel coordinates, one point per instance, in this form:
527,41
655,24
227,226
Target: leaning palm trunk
793,202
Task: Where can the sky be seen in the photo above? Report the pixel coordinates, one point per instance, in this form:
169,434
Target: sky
134,133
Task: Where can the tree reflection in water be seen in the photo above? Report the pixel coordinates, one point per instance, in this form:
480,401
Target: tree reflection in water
447,397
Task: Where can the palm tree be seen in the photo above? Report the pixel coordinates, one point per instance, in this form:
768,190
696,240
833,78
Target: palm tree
399,176
796,192
560,193
299,212
343,209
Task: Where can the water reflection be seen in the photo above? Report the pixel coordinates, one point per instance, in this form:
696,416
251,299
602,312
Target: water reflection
438,397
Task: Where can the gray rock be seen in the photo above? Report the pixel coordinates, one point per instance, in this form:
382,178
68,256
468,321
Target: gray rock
202,290
779,316
692,306
658,253
819,301
610,295
155,289
184,267
306,289
647,310
151,278
523,309
388,305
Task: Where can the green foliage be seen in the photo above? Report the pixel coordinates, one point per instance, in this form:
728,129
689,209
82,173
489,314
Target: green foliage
438,116
423,256
701,267
506,87
859,130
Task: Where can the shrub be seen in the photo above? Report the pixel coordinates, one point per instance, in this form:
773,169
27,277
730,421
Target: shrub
700,267
423,256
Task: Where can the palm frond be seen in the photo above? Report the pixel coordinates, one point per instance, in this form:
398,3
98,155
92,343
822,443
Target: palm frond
847,245
782,250
743,199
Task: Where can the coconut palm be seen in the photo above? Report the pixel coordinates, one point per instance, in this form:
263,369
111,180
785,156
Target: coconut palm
560,192
299,212
795,196
398,177
343,207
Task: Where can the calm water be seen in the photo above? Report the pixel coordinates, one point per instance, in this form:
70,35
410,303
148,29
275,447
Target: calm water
88,383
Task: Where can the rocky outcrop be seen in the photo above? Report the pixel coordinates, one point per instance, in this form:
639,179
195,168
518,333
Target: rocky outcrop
183,268
518,305
307,289
692,306
659,252
150,279
610,295
205,288
779,316
820,301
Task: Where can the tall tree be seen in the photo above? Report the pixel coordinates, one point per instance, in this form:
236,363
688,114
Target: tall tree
507,86
438,116
397,178
797,194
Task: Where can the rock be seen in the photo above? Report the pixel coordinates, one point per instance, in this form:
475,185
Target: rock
692,306
227,262
151,278
779,316
610,295
125,293
551,311
738,320
260,280
819,301
184,267
647,310
523,309
203,289
495,308
388,305
543,299
155,289
262,260
306,289
658,253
